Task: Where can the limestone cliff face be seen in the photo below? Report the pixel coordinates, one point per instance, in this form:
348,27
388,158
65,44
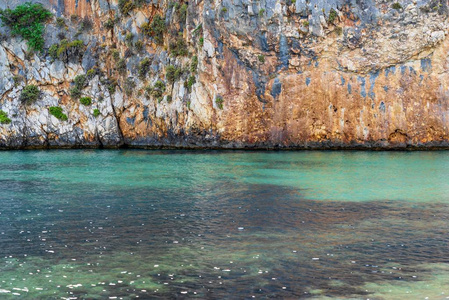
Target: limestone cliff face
234,74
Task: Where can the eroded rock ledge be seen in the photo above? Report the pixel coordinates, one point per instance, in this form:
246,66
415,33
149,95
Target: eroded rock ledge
264,74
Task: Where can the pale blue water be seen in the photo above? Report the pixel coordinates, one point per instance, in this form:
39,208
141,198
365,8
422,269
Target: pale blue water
93,224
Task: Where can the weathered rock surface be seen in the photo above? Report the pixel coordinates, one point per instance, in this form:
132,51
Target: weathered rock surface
304,74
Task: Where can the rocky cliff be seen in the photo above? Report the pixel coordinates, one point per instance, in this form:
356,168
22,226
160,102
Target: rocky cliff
230,74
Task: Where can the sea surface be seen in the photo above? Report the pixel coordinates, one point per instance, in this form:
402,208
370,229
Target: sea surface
126,224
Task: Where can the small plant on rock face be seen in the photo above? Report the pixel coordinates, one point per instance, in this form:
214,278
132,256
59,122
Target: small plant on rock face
178,47
201,41
183,13
172,74
30,94
80,82
158,90
338,30
109,24
261,58
155,29
129,39
115,54
189,83
96,112
332,16
86,101
261,12
4,118
144,68
219,102
91,73
85,24
27,20
129,86
126,6
56,111
194,64
396,6
139,46
60,22
17,79
121,66
139,3
66,50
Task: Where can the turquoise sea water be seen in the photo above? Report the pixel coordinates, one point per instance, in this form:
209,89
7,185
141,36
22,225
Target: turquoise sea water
97,224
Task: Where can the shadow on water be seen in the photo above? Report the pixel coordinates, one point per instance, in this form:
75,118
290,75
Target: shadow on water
213,240
174,224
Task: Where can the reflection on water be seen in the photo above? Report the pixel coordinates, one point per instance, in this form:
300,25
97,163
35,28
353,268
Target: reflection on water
151,224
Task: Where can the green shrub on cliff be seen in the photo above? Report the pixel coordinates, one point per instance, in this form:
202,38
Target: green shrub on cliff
86,101
155,29
396,6
194,64
27,20
178,47
126,6
121,66
66,50
158,90
219,102
129,86
56,111
332,15
96,112
4,118
109,24
182,13
144,68
30,94
172,74
60,22
189,83
79,83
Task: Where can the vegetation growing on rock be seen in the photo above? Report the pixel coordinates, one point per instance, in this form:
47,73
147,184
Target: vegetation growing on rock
30,94
155,29
129,86
194,64
189,83
144,68
172,74
219,102
56,111
121,66
4,118
178,47
396,6
96,112
80,82
66,50
86,101
27,20
332,16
